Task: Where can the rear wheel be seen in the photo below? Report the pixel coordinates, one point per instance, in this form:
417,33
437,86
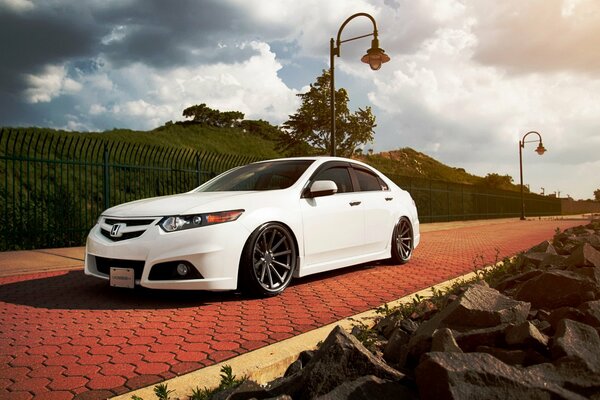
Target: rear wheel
268,260
402,242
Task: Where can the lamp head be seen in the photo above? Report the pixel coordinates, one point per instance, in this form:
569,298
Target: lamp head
540,149
375,56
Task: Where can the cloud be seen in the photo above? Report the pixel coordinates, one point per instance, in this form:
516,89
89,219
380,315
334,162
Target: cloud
539,35
16,6
52,82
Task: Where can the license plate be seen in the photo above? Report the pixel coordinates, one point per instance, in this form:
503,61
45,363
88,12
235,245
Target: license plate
122,277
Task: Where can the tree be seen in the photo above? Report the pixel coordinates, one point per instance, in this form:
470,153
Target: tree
597,195
496,181
207,116
309,129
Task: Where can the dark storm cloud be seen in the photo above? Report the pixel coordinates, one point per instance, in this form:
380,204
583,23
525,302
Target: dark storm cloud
39,37
160,34
163,34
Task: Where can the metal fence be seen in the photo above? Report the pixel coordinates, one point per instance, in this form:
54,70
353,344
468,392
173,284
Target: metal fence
439,201
54,186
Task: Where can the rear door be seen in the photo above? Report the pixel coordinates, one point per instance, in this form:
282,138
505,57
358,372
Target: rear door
378,203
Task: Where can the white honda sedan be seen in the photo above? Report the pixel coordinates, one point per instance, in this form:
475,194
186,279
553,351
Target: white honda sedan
255,227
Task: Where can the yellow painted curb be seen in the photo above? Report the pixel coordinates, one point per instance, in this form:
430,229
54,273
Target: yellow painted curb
265,364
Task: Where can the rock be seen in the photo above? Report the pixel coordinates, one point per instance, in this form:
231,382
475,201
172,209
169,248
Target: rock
554,289
387,325
367,388
584,255
591,313
397,347
481,376
518,357
470,340
512,281
544,247
303,359
564,313
592,273
510,357
526,334
479,307
577,341
340,358
443,340
570,374
552,260
246,390
408,325
542,326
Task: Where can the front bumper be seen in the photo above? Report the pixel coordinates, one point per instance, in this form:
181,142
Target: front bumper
214,251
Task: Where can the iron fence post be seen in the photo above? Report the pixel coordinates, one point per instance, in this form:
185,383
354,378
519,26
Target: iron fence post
106,178
198,171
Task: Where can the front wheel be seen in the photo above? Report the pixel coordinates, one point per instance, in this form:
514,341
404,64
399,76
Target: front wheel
402,242
268,260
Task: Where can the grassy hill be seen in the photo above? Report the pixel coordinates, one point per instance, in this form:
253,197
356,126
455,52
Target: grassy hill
404,161
409,162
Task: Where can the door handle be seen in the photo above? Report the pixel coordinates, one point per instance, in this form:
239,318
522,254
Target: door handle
354,203
389,198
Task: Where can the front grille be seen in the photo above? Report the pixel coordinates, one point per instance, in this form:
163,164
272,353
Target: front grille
103,265
125,236
129,229
129,222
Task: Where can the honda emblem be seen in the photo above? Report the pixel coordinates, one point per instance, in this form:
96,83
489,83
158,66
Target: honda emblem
115,231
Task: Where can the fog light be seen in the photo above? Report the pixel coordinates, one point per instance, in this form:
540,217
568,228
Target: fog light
182,269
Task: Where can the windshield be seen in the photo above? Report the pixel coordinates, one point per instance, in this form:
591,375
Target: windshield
269,175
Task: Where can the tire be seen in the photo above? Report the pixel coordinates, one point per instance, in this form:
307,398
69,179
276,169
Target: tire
402,242
268,260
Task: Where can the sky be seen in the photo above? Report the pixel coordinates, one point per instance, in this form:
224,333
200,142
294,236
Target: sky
466,81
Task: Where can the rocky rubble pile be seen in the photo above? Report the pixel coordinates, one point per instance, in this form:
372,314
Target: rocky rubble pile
534,335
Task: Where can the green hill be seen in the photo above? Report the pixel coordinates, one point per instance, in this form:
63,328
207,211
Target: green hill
404,161
409,162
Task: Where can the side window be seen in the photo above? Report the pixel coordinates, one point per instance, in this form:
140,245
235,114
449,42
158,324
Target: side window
339,175
367,181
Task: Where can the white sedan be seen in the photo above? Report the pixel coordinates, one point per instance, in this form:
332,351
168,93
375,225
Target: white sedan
255,227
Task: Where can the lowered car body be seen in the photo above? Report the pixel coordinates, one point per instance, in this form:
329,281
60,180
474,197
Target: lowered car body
256,227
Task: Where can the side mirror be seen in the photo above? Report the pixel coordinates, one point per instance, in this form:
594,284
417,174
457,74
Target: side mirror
322,188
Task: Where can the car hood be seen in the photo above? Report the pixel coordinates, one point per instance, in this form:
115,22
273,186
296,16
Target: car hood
180,204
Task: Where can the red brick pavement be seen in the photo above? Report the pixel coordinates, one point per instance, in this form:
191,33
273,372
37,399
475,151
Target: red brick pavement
64,335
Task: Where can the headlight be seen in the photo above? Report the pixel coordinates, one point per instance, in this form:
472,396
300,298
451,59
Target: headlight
182,222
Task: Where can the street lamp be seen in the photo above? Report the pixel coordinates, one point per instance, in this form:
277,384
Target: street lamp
540,150
374,57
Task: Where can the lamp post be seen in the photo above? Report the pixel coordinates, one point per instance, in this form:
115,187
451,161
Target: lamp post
374,57
540,150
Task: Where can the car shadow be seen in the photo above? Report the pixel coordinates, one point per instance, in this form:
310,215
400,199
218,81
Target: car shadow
76,291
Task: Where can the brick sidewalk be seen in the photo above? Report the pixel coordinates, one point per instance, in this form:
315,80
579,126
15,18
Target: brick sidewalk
65,335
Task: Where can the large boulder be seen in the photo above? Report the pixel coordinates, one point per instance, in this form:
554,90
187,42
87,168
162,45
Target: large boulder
443,340
570,374
577,341
340,358
544,247
556,288
481,376
584,255
479,307
526,334
367,388
591,313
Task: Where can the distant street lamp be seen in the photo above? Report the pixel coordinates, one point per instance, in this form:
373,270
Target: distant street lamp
374,57
540,150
